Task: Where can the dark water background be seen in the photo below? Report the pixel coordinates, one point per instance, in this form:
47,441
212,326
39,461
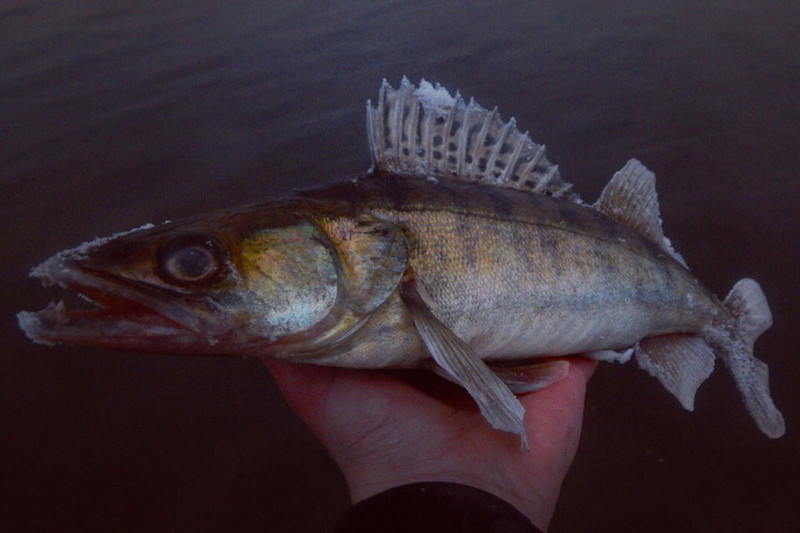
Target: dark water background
117,113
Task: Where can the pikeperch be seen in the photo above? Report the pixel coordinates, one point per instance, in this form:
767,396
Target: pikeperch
460,249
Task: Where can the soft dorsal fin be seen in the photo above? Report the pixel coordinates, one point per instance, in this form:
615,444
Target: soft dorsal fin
424,131
630,198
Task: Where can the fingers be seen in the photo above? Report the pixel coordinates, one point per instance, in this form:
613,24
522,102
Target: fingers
554,415
326,394
305,387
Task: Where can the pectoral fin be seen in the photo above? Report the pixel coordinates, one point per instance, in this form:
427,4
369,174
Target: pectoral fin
495,400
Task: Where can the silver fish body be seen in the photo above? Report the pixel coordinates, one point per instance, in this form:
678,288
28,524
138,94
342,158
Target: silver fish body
463,248
516,275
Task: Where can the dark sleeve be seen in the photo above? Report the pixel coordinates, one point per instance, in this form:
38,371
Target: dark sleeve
435,506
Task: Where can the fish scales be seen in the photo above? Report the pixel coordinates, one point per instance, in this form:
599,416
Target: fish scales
462,249
538,276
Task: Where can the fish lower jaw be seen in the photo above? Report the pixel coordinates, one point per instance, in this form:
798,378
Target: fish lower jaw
111,327
121,313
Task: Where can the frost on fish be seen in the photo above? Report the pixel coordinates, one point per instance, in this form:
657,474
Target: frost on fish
464,251
44,270
435,98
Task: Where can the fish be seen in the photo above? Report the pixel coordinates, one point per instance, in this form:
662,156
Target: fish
461,251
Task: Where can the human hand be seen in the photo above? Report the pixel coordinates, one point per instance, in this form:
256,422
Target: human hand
383,432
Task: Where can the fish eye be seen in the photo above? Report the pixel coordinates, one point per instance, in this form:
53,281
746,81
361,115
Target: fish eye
190,260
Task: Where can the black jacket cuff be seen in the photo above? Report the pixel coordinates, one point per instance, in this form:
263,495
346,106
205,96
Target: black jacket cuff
435,506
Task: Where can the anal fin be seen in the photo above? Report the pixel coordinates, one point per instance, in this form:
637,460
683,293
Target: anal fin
681,362
496,402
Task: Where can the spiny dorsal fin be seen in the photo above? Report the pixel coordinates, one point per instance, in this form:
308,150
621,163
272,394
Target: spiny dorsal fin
630,198
424,131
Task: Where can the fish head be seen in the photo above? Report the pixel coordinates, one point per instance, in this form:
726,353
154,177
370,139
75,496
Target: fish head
232,284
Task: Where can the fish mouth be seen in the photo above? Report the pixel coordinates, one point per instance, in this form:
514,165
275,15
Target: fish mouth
122,313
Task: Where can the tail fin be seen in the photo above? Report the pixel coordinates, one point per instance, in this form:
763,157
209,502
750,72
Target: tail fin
751,317
748,306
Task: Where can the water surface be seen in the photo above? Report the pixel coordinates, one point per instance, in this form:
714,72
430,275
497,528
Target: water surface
117,113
